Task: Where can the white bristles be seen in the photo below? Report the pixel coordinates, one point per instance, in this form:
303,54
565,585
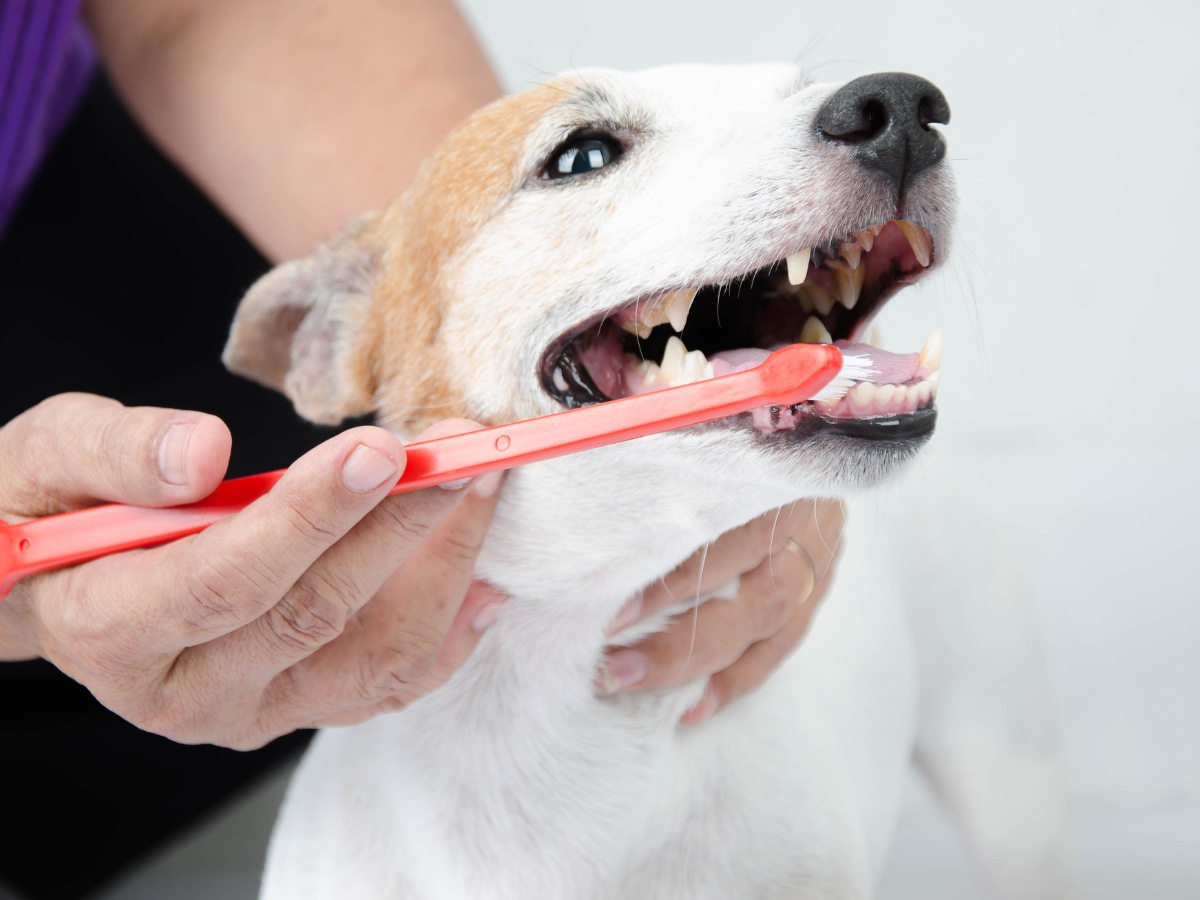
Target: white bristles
854,370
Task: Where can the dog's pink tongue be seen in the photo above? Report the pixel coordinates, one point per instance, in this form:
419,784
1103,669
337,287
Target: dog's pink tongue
888,368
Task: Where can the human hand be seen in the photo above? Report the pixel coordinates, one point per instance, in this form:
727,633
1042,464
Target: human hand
321,603
784,561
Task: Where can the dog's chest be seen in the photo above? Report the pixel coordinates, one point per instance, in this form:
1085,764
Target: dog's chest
515,781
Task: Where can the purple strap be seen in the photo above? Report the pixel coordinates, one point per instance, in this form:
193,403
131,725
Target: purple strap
46,59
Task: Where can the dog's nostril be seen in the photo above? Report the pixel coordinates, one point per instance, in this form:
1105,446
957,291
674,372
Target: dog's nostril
884,119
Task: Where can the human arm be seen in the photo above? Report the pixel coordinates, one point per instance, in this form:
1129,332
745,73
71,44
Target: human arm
294,115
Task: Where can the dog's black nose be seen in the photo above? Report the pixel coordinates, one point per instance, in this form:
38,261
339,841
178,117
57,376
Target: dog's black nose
885,119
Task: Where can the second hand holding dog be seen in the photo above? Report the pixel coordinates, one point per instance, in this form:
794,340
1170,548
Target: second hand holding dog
783,562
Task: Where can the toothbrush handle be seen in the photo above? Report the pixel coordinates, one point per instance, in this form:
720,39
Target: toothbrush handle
788,376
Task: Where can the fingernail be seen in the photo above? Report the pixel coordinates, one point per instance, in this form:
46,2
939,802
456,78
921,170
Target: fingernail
629,614
622,669
493,600
366,469
455,485
705,707
172,454
486,616
487,485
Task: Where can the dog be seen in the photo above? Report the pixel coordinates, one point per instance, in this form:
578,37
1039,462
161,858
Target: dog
604,234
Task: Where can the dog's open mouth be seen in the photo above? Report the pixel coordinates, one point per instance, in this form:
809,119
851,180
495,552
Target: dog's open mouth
825,294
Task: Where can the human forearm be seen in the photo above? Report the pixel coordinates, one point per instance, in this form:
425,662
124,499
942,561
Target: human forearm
294,115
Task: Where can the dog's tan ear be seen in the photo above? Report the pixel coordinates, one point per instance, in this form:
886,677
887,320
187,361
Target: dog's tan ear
300,328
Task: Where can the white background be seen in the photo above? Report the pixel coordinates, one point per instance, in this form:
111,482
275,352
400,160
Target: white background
1069,421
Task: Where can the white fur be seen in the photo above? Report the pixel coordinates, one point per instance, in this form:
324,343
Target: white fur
515,780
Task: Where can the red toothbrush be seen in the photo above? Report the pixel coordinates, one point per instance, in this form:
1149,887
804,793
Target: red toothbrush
788,376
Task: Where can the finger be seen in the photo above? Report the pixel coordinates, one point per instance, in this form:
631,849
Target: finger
430,537
212,583
479,610
753,667
73,450
734,553
412,635
718,633
822,532
145,606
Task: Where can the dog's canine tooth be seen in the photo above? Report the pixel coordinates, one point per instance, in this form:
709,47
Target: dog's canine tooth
641,329
672,360
918,239
676,305
847,282
797,266
672,307
931,353
866,238
815,332
852,252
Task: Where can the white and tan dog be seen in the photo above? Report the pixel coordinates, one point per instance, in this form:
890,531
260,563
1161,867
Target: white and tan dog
601,235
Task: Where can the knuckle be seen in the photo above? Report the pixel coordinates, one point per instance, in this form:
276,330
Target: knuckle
400,672
212,595
401,522
777,605
313,529
460,547
310,615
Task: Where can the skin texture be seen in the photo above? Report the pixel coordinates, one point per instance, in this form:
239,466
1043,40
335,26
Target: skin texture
293,116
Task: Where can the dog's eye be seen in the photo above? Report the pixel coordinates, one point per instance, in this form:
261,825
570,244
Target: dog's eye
582,155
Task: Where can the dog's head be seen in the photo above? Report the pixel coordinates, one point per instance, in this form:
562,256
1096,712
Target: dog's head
608,233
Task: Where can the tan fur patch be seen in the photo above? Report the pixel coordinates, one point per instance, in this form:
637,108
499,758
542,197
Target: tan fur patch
458,189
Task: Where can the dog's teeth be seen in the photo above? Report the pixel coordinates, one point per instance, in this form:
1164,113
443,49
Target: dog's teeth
560,380
931,353
650,371
672,307
884,394
815,332
852,252
813,297
696,367
681,366
866,238
862,398
934,380
847,282
918,239
797,266
924,393
677,305
672,360
640,329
